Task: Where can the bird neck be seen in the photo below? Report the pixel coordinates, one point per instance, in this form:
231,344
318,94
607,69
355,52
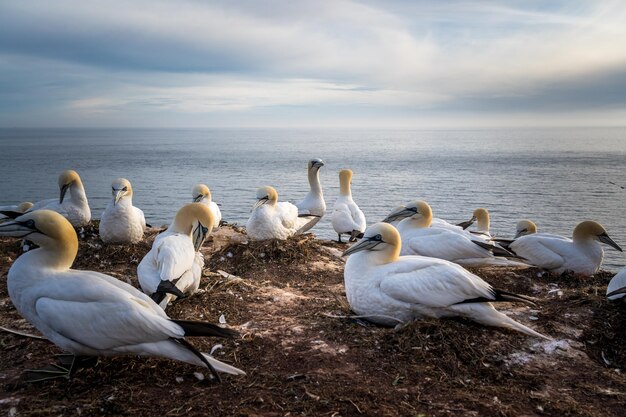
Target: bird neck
181,225
482,224
344,189
314,181
58,254
77,193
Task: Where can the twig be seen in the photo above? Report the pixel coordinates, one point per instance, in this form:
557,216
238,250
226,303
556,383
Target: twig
335,316
17,332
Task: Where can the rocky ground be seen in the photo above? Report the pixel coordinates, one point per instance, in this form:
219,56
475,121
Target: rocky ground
301,358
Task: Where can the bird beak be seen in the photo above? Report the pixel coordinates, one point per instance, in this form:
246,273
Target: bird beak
520,233
604,238
63,191
260,203
468,223
403,214
14,228
318,164
365,244
199,235
118,195
198,198
618,291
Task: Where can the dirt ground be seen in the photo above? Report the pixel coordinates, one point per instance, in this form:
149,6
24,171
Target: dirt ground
301,359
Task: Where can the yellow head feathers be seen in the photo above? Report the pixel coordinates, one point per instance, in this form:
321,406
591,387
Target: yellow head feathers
590,230
200,192
345,179
382,242
191,213
25,206
121,188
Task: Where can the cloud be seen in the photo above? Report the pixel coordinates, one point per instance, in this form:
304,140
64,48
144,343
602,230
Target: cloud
176,60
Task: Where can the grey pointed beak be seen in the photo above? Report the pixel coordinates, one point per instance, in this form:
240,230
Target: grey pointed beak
63,191
318,164
520,233
198,198
117,195
199,236
468,223
260,202
364,244
604,238
15,228
402,214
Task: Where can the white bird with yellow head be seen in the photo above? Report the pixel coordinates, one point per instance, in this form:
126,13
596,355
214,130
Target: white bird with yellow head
201,194
121,222
173,267
347,217
88,313
271,219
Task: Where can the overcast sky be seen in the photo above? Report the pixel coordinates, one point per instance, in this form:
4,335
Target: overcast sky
397,64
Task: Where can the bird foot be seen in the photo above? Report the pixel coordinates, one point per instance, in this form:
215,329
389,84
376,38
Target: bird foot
67,366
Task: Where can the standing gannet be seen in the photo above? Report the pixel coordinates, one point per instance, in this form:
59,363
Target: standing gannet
121,222
202,194
390,289
173,267
75,208
347,216
458,246
88,313
581,255
617,286
18,208
313,207
271,219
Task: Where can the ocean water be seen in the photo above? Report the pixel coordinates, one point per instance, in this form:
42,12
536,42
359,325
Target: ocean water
555,177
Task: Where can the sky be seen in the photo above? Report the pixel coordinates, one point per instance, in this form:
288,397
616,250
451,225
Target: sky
335,63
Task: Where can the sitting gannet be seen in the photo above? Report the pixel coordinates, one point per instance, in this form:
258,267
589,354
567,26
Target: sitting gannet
523,228
121,222
617,286
480,216
18,208
347,216
581,255
402,212
202,194
313,207
75,208
88,313
173,267
390,289
271,219
458,246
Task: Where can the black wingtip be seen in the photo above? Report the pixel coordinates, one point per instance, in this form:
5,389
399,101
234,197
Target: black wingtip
11,214
202,328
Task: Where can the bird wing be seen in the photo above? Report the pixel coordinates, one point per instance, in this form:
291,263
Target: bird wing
442,243
342,219
357,216
98,314
49,204
175,255
544,251
288,214
141,217
432,282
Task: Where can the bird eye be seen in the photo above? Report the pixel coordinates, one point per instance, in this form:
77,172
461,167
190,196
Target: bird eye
125,188
378,238
30,223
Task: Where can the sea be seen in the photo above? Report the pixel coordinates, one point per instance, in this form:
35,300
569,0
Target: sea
555,177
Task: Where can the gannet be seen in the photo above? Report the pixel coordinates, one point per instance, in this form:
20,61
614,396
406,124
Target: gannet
271,219
75,208
480,216
173,267
313,207
347,216
390,289
581,255
202,194
617,286
121,222
88,313
402,212
458,246
522,228
17,208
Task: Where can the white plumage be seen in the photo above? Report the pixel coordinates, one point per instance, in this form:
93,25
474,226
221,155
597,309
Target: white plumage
201,194
313,206
617,287
19,208
581,255
271,219
389,289
347,217
76,207
173,266
455,245
121,222
85,312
